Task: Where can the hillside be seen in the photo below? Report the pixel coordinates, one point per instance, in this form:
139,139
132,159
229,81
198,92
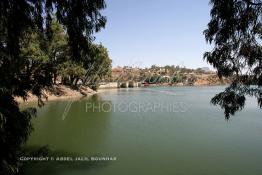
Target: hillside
168,75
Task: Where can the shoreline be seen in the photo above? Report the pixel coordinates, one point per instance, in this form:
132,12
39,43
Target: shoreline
69,93
62,93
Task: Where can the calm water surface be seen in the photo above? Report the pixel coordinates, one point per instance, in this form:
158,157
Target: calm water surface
151,131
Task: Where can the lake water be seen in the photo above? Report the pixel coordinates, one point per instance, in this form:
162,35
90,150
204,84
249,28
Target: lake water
150,131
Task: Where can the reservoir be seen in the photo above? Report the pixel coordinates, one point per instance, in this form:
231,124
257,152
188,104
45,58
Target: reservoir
148,131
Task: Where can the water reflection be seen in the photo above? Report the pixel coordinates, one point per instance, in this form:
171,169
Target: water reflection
196,141
81,132
57,167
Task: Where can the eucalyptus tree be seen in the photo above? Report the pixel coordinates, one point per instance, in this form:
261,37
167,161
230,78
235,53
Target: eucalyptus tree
57,48
99,66
235,32
80,18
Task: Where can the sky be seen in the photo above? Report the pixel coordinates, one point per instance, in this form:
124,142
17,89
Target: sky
141,33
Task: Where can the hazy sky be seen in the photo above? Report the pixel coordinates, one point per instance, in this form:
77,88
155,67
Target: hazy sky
162,32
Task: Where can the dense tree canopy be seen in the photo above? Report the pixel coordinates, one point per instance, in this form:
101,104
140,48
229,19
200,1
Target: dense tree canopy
235,31
81,18
32,47
99,66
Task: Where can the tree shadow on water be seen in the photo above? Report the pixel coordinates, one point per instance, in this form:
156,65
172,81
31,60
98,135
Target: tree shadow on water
52,167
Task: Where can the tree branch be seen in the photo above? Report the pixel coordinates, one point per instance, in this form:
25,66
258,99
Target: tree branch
249,2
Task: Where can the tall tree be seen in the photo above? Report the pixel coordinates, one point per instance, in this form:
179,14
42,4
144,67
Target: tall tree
57,48
99,66
80,18
235,31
